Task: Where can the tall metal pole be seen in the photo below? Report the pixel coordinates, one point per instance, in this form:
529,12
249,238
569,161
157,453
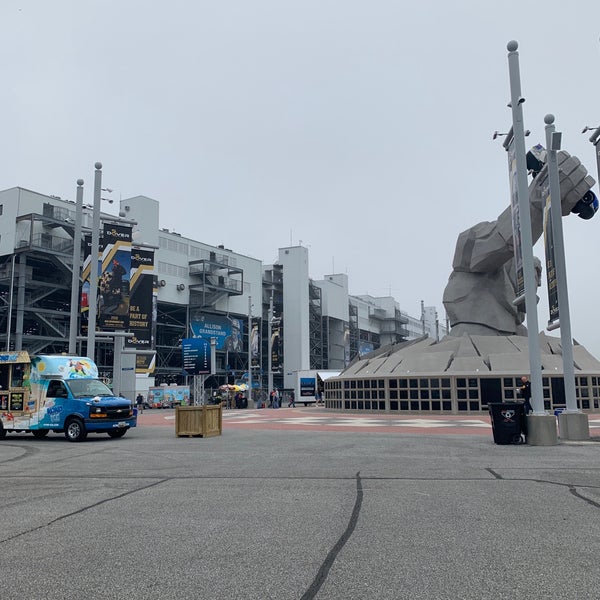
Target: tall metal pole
76,276
10,300
270,346
213,360
250,401
516,105
552,146
95,251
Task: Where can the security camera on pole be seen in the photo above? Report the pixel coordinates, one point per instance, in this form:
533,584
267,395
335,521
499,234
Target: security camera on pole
541,425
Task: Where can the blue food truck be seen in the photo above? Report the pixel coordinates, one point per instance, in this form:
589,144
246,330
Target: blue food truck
59,393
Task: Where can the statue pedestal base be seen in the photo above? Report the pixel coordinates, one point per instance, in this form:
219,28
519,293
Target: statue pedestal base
541,430
573,426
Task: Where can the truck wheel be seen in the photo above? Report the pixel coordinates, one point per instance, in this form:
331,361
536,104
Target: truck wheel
40,433
117,433
75,430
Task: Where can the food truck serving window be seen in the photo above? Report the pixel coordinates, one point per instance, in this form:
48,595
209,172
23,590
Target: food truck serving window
5,376
18,374
14,380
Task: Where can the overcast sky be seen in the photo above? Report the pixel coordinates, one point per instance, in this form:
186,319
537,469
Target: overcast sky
361,129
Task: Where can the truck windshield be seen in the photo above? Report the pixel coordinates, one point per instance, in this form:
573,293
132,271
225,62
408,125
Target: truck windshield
84,388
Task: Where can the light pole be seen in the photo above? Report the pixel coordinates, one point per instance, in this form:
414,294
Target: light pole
10,301
94,252
541,425
574,424
75,275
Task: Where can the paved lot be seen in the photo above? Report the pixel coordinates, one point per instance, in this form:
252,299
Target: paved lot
276,512
319,419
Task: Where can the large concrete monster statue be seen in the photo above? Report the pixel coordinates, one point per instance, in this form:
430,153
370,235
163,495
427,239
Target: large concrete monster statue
482,286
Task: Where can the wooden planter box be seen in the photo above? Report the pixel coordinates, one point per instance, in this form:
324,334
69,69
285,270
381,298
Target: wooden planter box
202,421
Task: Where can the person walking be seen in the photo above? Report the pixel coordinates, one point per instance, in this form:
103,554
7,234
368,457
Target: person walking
139,401
292,402
275,399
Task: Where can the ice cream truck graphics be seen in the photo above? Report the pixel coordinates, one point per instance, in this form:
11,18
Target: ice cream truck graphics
59,393
168,396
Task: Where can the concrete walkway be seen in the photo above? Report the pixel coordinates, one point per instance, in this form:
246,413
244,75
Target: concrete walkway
320,419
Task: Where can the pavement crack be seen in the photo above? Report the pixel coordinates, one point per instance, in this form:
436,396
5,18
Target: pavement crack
81,510
496,475
28,451
577,494
321,576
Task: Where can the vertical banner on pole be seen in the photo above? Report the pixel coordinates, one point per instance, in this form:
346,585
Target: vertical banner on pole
113,285
276,345
141,318
255,343
550,263
346,344
85,286
516,220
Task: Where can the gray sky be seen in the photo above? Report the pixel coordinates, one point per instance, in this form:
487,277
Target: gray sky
362,129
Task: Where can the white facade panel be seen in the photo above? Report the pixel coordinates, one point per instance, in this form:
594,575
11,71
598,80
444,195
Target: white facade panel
296,349
145,211
334,296
9,199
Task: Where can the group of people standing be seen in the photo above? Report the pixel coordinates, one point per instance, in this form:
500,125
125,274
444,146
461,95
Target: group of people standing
275,399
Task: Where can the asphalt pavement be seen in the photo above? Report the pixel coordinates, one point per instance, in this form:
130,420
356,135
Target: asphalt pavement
297,514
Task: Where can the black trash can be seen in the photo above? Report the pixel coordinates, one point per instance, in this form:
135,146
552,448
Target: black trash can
509,425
